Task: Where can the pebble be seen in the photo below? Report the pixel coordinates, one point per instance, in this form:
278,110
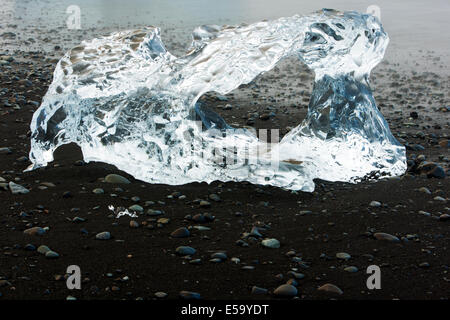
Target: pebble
134,224
103,235
189,295
115,178
51,254
205,204
43,249
214,197
271,243
444,217
161,295
35,231
180,233
438,198
375,204
351,269
136,207
185,251
17,188
425,190
386,237
436,172
30,247
5,150
219,255
296,275
286,290
257,290
343,255
328,287
98,191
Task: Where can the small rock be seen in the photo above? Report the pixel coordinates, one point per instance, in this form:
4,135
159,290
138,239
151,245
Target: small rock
134,224
103,235
214,197
286,290
219,255
330,288
115,178
185,251
343,255
351,269
180,233
136,207
444,217
51,254
17,188
35,231
98,191
189,295
257,290
271,243
205,204
375,204
43,249
438,198
386,237
160,295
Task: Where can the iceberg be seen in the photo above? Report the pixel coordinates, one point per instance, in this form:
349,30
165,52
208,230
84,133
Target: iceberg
127,101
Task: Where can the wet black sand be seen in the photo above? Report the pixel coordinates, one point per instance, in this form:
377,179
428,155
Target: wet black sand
311,227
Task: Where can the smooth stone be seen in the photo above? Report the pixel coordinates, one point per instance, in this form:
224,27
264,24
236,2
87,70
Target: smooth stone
78,220
286,290
271,243
444,217
425,190
103,235
35,231
30,247
136,207
189,295
201,228
51,254
151,212
98,191
351,269
214,197
115,178
134,224
185,251
258,290
17,188
296,275
180,233
386,237
219,255
43,249
205,204
343,255
375,204
161,295
330,288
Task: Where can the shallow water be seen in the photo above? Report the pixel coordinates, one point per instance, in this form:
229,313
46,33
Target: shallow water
412,25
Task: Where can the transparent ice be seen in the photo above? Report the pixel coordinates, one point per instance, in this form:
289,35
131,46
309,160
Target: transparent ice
127,101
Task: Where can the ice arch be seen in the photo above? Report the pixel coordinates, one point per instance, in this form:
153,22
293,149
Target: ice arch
125,100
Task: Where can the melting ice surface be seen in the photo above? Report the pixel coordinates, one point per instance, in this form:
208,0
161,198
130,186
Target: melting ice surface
125,100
